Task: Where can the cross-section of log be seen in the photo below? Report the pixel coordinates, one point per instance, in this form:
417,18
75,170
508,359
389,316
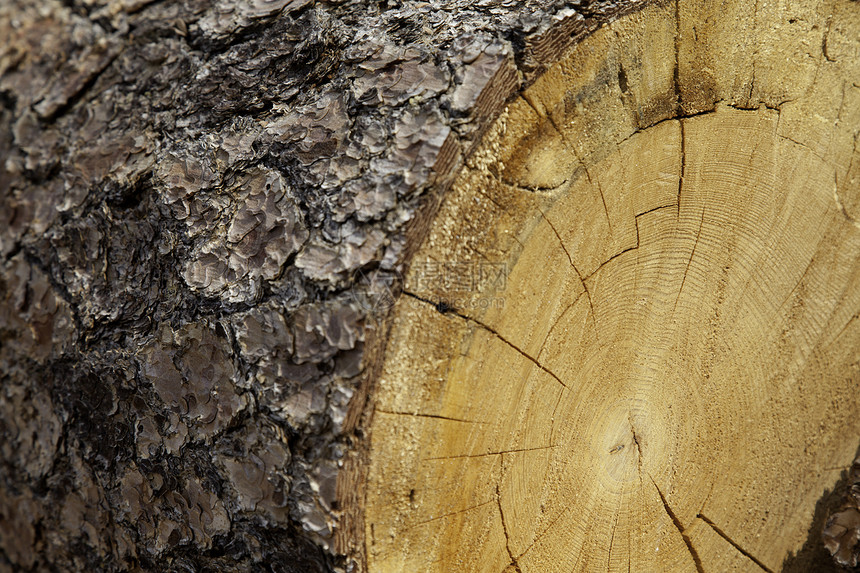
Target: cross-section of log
630,340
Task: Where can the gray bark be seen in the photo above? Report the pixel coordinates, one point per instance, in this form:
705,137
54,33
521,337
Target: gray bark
204,207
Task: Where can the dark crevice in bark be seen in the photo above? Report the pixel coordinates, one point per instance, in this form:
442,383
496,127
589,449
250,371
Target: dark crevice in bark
8,101
81,92
32,257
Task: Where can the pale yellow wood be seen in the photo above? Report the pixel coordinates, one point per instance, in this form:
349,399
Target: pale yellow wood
668,375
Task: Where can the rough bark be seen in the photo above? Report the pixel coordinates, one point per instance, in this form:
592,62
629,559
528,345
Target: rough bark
841,531
203,205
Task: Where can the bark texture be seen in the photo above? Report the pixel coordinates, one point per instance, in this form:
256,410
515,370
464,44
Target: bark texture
841,532
204,206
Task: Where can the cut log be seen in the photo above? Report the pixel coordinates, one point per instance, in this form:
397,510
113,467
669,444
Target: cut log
630,341
451,286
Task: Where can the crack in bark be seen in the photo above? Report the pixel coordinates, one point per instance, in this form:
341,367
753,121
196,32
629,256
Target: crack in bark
740,549
60,290
679,527
447,310
432,416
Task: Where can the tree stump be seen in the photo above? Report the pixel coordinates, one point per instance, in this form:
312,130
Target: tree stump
409,286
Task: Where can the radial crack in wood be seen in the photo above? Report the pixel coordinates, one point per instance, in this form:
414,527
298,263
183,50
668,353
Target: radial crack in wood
740,549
